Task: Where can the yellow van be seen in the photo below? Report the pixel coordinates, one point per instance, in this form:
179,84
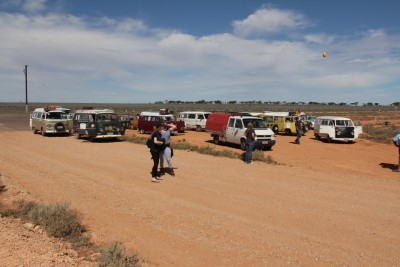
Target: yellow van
280,124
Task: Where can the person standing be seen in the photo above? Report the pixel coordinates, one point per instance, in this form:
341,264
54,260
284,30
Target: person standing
167,151
156,147
299,130
250,138
396,142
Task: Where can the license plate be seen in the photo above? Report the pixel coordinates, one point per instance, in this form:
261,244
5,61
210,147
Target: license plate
60,127
265,142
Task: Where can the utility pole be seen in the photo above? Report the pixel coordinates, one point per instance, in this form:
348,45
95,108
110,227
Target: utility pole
26,88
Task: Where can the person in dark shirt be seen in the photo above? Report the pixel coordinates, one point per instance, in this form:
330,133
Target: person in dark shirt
157,146
299,130
250,138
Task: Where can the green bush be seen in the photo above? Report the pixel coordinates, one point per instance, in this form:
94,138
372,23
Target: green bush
116,256
57,220
381,134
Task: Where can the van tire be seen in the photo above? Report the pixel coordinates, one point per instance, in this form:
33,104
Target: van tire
42,132
198,128
216,139
275,128
78,135
34,131
288,132
141,131
243,144
317,136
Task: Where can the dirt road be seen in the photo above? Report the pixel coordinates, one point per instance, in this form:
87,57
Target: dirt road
326,204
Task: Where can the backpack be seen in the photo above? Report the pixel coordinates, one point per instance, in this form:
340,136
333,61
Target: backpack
149,143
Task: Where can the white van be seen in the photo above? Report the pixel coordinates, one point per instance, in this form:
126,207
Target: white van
51,120
195,120
336,128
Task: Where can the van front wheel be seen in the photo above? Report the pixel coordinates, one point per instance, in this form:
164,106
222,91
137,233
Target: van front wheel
198,128
243,144
216,140
34,131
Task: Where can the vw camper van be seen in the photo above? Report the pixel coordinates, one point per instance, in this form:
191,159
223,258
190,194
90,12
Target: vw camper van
50,120
195,120
336,128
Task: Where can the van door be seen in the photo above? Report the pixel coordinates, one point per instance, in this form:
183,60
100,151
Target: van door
230,130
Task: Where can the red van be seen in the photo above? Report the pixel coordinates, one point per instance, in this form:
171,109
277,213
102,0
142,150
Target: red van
147,121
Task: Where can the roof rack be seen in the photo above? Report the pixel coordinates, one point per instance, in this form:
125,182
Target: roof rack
94,111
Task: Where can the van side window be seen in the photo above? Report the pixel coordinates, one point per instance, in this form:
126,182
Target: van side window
192,116
239,124
331,123
201,117
231,122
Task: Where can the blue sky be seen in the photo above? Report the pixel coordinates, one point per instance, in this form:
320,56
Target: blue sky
139,51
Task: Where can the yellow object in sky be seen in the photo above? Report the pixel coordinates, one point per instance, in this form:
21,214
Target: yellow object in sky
324,54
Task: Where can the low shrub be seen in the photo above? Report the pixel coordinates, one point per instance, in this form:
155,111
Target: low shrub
381,134
258,155
115,255
57,220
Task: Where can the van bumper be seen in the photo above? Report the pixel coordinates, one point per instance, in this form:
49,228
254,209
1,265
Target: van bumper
264,143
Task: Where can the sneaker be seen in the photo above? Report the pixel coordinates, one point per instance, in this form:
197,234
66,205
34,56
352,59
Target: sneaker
171,172
396,170
154,180
159,178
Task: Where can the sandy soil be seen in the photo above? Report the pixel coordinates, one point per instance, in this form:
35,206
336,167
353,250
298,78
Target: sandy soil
325,204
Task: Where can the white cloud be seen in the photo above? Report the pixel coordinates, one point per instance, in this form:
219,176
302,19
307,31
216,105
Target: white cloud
269,20
34,6
76,59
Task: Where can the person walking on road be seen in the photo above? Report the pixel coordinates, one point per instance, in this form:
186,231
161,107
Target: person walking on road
156,147
167,151
299,130
250,138
396,142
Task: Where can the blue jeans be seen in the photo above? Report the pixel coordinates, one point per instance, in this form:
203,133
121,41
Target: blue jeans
167,154
298,137
249,152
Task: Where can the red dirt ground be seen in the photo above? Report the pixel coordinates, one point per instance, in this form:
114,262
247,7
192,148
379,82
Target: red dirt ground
324,204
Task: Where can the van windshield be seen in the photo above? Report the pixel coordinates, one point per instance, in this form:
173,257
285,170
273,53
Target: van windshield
344,123
257,123
106,117
56,116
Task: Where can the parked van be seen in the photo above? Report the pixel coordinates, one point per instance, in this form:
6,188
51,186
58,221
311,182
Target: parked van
51,120
282,124
147,121
195,120
336,128
228,128
97,123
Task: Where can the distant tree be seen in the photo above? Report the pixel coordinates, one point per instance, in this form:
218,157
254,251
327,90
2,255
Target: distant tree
342,104
331,103
354,104
396,104
376,104
218,102
369,104
232,102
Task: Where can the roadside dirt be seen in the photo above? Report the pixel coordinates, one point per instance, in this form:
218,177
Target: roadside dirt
324,204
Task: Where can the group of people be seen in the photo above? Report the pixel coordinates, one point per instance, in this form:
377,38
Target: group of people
251,137
161,148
